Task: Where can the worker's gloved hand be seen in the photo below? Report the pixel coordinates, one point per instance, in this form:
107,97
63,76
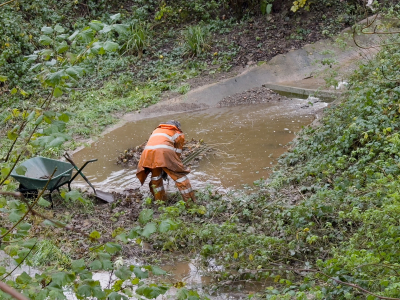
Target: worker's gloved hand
164,175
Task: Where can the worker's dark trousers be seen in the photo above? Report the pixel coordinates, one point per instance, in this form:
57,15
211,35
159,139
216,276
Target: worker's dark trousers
181,181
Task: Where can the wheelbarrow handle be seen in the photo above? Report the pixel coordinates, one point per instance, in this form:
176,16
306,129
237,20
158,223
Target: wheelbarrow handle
79,171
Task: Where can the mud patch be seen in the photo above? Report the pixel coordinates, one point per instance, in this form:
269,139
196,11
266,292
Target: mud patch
192,153
252,96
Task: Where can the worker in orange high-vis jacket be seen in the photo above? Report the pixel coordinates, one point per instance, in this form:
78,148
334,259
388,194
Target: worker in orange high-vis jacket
162,154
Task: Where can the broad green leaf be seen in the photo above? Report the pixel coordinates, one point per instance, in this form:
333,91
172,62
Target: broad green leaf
95,235
139,273
73,36
25,226
78,265
135,232
62,47
59,28
110,46
84,291
149,229
145,216
35,67
71,58
23,93
86,36
24,278
57,92
151,292
96,265
5,171
157,270
14,216
58,141
73,195
112,248
63,117
21,170
3,78
122,237
167,225
54,79
106,29
75,72
96,25
121,28
39,120
47,30
12,135
45,40
115,17
13,91
63,278
43,202
123,273
116,296
31,116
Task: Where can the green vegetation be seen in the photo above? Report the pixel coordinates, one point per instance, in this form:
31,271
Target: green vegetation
325,225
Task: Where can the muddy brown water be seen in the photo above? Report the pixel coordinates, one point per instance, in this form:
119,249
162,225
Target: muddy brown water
250,139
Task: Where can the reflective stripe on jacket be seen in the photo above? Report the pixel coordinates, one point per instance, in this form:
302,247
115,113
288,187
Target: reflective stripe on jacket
162,150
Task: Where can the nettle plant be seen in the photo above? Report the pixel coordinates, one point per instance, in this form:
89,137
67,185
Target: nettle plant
35,128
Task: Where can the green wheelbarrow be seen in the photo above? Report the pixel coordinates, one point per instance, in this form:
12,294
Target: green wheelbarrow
38,172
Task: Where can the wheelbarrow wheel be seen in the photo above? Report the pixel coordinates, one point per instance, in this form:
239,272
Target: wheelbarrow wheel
28,193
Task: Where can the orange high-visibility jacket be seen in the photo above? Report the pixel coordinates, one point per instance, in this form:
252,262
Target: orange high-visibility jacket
163,150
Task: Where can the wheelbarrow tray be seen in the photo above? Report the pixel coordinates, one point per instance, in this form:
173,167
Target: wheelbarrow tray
39,170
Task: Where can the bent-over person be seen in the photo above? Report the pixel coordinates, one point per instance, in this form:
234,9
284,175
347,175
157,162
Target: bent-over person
162,154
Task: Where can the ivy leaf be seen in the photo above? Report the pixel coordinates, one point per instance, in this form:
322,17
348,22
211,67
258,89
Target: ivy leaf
45,40
149,229
123,273
110,46
47,30
145,216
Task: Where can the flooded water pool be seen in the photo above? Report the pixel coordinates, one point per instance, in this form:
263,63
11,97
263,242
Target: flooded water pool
252,137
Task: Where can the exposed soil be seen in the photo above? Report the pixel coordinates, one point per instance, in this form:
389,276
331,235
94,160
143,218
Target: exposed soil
193,150
252,96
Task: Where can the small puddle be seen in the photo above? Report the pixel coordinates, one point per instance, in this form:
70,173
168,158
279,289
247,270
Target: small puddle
251,136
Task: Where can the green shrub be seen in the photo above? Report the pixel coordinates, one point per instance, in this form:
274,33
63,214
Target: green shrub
136,38
196,40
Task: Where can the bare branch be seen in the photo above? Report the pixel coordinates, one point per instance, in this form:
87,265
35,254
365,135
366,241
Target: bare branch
5,3
13,293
